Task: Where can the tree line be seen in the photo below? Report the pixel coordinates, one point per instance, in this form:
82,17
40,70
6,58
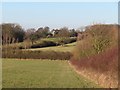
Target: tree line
14,33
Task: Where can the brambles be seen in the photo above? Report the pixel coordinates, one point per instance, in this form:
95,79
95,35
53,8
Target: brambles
100,44
97,54
105,63
100,62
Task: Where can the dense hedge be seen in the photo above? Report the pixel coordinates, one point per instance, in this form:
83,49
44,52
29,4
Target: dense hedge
36,55
66,40
17,50
43,44
40,44
61,41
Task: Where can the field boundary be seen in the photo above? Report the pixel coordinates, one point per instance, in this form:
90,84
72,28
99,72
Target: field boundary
81,73
100,79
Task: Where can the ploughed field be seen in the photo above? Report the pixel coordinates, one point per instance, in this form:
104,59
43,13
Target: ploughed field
41,74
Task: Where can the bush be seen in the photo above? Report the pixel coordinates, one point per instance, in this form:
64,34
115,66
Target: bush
102,62
69,40
99,38
36,55
65,40
47,43
43,44
97,54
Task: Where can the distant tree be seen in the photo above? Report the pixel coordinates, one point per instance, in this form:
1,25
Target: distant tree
34,37
46,29
40,29
31,35
12,33
18,33
43,32
73,33
64,32
29,32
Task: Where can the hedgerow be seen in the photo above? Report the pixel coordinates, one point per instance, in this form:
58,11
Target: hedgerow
41,43
20,54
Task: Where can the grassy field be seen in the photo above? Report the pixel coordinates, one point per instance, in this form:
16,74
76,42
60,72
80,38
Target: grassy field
43,42
41,74
66,48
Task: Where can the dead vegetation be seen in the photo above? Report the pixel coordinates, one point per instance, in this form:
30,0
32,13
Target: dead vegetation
96,55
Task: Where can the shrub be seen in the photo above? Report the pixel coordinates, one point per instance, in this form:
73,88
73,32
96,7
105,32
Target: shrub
69,40
96,55
43,44
36,55
65,40
102,62
100,44
100,37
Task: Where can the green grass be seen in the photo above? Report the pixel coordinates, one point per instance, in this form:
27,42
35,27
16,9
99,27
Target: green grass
50,39
38,42
41,74
66,48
